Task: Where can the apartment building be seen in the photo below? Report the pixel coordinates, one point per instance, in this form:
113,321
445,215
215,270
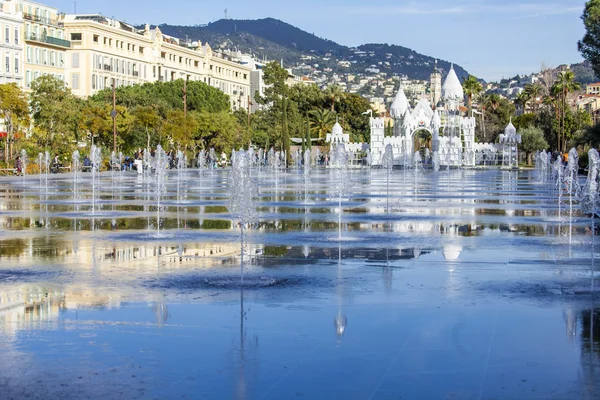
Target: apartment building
11,43
46,47
104,50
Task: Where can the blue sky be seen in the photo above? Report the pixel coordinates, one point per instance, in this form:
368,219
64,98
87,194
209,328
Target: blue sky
490,38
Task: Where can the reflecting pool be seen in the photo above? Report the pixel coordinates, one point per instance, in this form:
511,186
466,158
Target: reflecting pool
460,284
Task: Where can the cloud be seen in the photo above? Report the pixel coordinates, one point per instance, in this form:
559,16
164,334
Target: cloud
515,10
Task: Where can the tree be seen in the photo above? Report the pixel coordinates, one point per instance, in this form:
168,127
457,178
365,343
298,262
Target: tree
333,94
181,129
56,113
321,122
534,91
522,99
14,110
220,130
276,94
564,85
589,46
99,123
532,140
471,87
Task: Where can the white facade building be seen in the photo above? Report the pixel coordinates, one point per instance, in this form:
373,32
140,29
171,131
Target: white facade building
11,43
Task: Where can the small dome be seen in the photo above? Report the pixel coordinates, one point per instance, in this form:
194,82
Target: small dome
399,105
452,87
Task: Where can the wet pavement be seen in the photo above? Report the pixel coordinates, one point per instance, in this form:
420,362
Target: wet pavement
449,285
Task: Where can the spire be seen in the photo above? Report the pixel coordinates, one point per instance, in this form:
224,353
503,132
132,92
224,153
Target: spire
399,105
452,87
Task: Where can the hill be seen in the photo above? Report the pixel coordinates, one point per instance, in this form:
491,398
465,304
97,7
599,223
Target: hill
276,40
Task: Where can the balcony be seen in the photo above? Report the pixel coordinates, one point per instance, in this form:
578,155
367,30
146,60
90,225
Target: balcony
41,20
48,40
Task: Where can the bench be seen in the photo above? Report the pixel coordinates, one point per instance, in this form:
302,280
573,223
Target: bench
63,169
8,170
86,168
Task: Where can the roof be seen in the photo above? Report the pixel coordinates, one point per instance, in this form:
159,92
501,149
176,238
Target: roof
452,88
594,84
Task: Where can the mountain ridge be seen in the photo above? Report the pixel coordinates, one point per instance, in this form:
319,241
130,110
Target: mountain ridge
277,40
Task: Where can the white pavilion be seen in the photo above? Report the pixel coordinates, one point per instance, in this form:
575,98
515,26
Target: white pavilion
454,148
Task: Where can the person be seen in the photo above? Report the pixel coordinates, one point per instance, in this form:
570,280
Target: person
55,164
18,165
86,162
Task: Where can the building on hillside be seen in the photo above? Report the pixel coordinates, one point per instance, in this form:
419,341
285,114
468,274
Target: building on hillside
45,42
593,88
104,50
11,43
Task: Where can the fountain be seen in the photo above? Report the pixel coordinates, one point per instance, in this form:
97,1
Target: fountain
572,185
95,159
306,174
388,164
558,173
75,163
435,160
590,200
24,163
242,204
201,161
339,161
161,165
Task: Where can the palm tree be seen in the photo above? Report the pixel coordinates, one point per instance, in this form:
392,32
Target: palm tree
481,98
522,99
471,87
564,85
333,94
534,91
321,122
493,100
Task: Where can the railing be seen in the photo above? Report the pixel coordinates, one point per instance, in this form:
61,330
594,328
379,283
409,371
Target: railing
48,39
136,73
37,18
107,67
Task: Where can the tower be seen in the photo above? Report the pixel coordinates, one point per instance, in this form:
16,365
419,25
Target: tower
435,81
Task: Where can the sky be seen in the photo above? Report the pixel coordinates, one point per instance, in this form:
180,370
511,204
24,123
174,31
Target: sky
491,39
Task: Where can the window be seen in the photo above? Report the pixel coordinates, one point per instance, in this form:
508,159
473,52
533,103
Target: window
141,50
61,61
16,65
52,58
76,37
37,56
75,81
105,41
75,60
28,78
7,34
94,81
7,63
17,36
45,57
96,38
28,52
